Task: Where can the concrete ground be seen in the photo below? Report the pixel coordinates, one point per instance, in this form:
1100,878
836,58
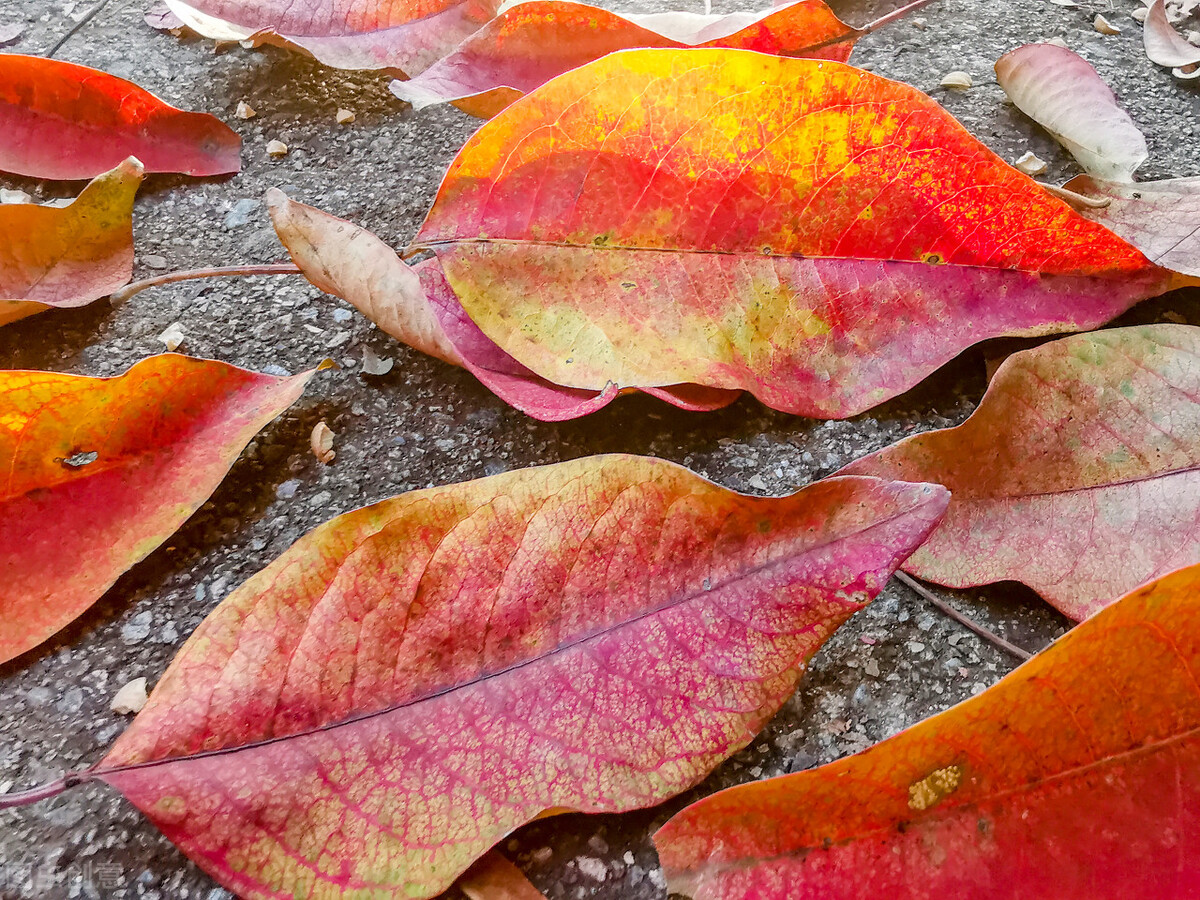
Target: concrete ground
426,423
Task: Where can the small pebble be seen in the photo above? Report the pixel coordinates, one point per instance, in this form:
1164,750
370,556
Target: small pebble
593,868
958,81
1104,26
1030,164
14,197
287,490
321,442
136,629
245,110
153,261
319,500
130,699
172,336
345,116
277,149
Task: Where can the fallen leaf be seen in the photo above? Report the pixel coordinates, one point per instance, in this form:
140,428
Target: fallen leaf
156,440
531,43
67,122
129,699
1164,45
1160,218
416,305
347,34
495,878
160,18
1075,777
413,680
853,238
1077,475
63,257
321,442
1059,90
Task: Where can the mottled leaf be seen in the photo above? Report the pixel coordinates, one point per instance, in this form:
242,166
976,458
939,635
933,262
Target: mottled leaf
1078,475
1164,45
100,471
416,305
346,34
1060,90
530,43
1076,777
812,233
413,680
60,257
1160,218
66,121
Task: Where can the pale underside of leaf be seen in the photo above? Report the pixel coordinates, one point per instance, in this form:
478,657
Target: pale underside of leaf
1022,775
347,34
1060,91
362,740
1078,475
1160,218
1164,45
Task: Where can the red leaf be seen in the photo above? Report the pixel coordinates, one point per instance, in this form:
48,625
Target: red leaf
1077,777
66,121
346,34
100,471
532,42
1079,473
413,680
60,257
817,235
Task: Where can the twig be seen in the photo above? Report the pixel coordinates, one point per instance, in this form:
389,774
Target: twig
186,274
893,16
1078,201
92,13
42,792
958,617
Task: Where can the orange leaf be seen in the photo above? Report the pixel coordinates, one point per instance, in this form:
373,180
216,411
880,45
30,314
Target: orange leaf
100,471
1079,473
1076,777
66,121
532,42
800,229
68,256
413,680
346,34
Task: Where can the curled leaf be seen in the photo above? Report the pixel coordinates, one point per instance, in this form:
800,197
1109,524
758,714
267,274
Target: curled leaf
66,121
345,34
1160,218
1164,45
1075,777
416,305
530,43
413,680
100,471
1079,473
851,239
62,257
1059,90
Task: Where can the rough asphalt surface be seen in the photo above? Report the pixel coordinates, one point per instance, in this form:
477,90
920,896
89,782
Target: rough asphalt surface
426,423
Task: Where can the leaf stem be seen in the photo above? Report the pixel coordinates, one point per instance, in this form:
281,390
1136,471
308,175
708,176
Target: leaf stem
43,792
893,16
958,617
92,13
186,274
1078,201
